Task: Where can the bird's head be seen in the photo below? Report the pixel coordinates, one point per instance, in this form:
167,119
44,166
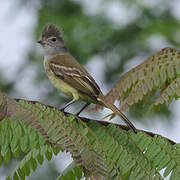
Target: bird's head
52,40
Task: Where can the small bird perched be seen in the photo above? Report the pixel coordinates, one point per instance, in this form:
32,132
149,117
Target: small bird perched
68,76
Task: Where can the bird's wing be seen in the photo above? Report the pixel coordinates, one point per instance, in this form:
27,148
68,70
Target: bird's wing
69,70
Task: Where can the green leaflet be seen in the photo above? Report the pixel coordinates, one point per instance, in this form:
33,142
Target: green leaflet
159,72
170,92
72,172
15,139
67,134
30,161
102,150
136,161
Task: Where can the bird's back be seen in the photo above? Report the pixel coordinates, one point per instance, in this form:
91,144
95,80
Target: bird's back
74,73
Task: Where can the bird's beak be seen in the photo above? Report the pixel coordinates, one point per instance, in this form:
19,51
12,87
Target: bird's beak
39,42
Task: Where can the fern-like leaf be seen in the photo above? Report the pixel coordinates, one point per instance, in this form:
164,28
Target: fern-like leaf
101,150
71,172
161,71
31,161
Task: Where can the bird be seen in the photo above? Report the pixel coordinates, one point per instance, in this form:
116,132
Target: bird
69,76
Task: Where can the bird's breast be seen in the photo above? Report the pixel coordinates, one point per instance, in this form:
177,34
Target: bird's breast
56,81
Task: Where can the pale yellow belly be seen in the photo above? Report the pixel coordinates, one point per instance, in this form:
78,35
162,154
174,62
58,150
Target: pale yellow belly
69,90
60,84
64,87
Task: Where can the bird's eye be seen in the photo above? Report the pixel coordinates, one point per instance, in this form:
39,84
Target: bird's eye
53,39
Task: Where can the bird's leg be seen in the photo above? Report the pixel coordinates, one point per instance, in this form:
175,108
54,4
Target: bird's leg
84,107
68,104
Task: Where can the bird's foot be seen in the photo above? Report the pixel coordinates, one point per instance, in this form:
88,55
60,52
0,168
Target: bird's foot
84,107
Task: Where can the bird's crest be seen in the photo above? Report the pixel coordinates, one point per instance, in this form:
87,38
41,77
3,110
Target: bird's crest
51,30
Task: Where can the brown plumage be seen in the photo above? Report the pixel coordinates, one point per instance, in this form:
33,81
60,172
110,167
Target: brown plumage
74,74
69,76
51,30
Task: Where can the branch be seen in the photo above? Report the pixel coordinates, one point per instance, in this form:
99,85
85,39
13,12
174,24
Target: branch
159,72
9,106
102,149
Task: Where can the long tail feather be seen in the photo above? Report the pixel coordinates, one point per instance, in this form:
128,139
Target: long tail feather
118,112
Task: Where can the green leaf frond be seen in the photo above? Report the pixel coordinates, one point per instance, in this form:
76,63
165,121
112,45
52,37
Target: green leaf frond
100,150
16,140
31,161
71,172
159,72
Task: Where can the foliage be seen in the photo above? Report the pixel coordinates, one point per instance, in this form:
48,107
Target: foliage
95,35
103,150
89,35
71,172
159,72
17,139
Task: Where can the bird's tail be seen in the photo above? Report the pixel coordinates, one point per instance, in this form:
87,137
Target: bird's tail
118,112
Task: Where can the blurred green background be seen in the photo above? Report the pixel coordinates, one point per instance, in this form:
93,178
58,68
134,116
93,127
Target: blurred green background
108,37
